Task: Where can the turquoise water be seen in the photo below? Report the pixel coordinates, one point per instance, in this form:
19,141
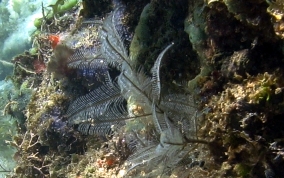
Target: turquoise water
16,27
14,15
7,129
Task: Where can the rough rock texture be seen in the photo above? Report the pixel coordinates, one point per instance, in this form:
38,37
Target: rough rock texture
228,54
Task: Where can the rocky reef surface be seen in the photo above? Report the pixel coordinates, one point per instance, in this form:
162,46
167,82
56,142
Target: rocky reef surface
198,85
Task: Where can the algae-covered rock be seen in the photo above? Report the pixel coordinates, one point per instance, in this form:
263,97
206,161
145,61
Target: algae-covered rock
275,9
195,27
228,52
141,35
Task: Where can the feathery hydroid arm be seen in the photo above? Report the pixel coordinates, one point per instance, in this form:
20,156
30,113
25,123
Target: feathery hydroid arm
104,104
156,81
113,48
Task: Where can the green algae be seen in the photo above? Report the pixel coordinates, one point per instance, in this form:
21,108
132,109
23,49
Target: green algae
60,7
141,35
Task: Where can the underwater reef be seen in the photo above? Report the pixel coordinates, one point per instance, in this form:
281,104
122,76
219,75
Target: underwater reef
151,88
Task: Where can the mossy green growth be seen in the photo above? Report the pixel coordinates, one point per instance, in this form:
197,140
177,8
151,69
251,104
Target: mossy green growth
242,170
194,26
33,51
195,33
264,93
25,86
141,36
264,84
38,22
62,6
59,7
68,5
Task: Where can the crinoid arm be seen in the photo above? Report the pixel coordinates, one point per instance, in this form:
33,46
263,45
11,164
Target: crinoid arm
156,81
104,104
112,39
